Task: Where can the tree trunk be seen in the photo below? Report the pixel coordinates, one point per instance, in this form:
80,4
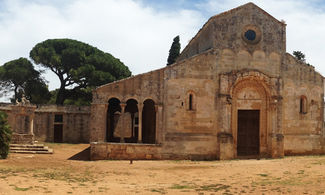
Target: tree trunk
60,96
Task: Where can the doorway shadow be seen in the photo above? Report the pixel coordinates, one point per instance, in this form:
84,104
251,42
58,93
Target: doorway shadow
82,156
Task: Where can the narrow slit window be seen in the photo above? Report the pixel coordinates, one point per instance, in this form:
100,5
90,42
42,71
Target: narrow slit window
303,105
190,102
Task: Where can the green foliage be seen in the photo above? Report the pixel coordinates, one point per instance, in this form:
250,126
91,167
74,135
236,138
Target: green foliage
19,75
37,92
299,55
78,66
174,51
5,135
76,97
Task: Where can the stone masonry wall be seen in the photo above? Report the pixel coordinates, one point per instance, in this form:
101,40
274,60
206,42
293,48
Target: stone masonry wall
140,88
75,122
191,134
303,132
225,31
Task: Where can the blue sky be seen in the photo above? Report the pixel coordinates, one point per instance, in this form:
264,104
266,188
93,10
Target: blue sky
128,29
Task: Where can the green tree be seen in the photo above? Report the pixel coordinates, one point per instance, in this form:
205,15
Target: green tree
5,135
299,55
37,92
79,66
174,51
19,75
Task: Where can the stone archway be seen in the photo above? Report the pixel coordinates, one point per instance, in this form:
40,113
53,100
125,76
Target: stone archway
250,101
114,107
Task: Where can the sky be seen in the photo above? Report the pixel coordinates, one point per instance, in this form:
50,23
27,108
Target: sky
140,32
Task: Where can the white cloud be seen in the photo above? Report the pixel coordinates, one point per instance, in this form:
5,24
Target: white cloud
139,36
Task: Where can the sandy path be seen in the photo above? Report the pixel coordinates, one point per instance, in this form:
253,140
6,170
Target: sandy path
55,174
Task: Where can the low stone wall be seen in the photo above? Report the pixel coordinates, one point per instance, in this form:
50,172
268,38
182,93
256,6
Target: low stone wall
124,151
22,138
304,145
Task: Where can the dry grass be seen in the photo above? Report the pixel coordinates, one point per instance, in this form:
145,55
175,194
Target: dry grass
55,174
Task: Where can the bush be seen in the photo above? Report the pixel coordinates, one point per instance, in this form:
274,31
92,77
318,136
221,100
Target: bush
5,135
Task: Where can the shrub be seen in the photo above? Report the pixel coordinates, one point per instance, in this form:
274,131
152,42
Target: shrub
5,135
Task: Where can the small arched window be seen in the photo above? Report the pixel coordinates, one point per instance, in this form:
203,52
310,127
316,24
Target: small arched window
303,105
190,101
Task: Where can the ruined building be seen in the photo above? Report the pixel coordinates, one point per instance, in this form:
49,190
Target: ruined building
233,92
47,123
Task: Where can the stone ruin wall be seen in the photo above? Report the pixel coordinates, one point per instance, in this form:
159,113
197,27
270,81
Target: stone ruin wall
75,122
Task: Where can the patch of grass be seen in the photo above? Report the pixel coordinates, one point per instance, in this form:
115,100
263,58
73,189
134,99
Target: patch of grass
121,173
180,187
198,188
13,171
158,190
300,172
21,189
263,175
213,187
63,176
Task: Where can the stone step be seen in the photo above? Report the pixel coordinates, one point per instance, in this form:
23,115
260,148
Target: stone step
28,145
30,149
50,151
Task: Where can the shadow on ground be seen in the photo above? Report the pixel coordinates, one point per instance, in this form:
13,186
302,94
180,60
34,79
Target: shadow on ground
82,156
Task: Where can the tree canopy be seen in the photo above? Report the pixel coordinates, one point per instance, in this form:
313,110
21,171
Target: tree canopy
20,77
79,66
299,55
174,51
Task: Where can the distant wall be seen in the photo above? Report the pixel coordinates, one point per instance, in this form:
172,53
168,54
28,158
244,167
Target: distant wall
52,123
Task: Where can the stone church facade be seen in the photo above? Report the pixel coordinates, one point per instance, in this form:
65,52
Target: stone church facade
233,92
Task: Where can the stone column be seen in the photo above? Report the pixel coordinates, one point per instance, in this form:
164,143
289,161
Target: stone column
277,149
31,122
225,142
98,117
225,133
225,107
158,109
123,105
140,108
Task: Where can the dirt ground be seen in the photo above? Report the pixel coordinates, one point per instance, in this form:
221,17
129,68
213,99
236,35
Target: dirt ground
68,171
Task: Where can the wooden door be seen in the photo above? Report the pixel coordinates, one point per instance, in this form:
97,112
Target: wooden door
58,133
248,138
